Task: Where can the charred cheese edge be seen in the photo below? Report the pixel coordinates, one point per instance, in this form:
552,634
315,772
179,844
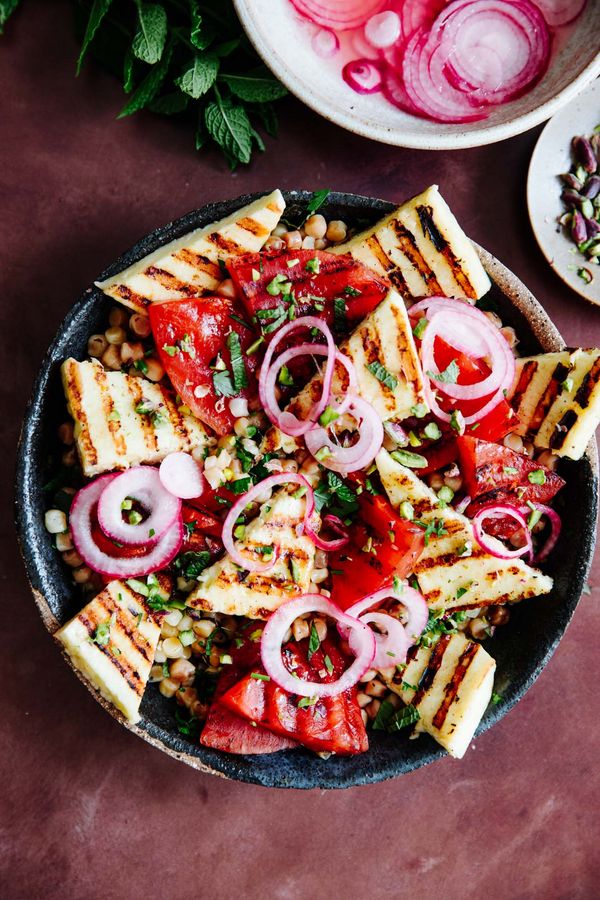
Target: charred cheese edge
119,669
454,680
384,336
447,578
109,433
422,249
226,588
189,265
557,399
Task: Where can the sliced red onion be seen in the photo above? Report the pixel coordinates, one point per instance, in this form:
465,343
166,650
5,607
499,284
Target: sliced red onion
80,521
141,483
395,91
501,511
336,15
555,530
281,621
336,525
414,603
560,12
392,647
268,376
417,13
325,43
181,475
359,455
383,29
365,76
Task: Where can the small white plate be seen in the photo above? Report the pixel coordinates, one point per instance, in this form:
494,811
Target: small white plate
552,155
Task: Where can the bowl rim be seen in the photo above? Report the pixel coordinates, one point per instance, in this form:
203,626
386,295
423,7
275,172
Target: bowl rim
234,767
477,136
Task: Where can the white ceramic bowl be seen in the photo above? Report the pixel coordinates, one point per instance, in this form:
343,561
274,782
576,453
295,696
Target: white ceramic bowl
284,43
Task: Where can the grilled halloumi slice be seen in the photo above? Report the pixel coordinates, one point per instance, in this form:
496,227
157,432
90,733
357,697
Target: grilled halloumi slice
122,421
112,641
557,399
384,336
189,265
453,571
453,681
226,588
422,249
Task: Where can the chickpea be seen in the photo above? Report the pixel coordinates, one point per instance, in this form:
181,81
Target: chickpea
96,346
336,231
115,334
479,629
66,434
316,226
293,240
131,352
155,369
513,442
499,615
274,243
140,325
111,358
321,244
118,317
308,243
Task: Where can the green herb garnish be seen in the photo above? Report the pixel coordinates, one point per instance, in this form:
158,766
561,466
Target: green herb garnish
379,371
238,367
448,376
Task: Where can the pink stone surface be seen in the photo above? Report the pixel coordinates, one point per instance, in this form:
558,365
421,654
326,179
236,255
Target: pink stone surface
86,809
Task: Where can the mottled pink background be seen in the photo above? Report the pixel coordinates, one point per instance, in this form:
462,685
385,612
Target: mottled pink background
86,809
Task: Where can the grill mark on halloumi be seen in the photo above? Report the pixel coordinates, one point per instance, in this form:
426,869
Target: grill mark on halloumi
255,228
440,243
408,245
131,675
590,380
562,429
142,646
109,409
199,262
170,281
225,244
75,405
392,271
133,299
435,661
453,686
134,386
527,373
373,353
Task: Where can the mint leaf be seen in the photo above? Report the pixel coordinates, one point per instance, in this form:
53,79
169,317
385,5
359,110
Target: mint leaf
229,126
238,368
149,41
379,371
97,13
255,87
149,87
448,376
317,200
128,71
268,118
202,33
200,77
223,383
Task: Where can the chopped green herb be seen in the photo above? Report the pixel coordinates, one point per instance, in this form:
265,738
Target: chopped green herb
445,494
305,702
141,365
322,454
585,275
411,460
114,416
413,440
223,383
465,549
313,641
285,377
255,346
340,323
138,586
313,265
496,698
187,637
537,477
379,371
462,591
432,431
328,664
259,676
191,563
278,285
101,635
187,725
328,416
420,327
240,321
317,200
134,517
170,350
238,367
567,385
240,485
435,527
292,262
448,376
352,292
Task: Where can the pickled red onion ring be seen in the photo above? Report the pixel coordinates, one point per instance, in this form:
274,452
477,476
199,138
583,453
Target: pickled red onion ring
141,483
269,370
493,546
418,614
80,521
359,455
274,635
555,530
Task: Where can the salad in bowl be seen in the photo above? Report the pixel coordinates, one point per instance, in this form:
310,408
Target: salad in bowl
305,477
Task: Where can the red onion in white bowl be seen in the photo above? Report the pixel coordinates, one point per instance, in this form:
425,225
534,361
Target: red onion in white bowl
273,639
365,76
325,43
383,29
560,12
143,484
335,14
80,521
181,475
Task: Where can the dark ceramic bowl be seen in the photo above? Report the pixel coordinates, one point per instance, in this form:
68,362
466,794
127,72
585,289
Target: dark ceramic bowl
522,648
